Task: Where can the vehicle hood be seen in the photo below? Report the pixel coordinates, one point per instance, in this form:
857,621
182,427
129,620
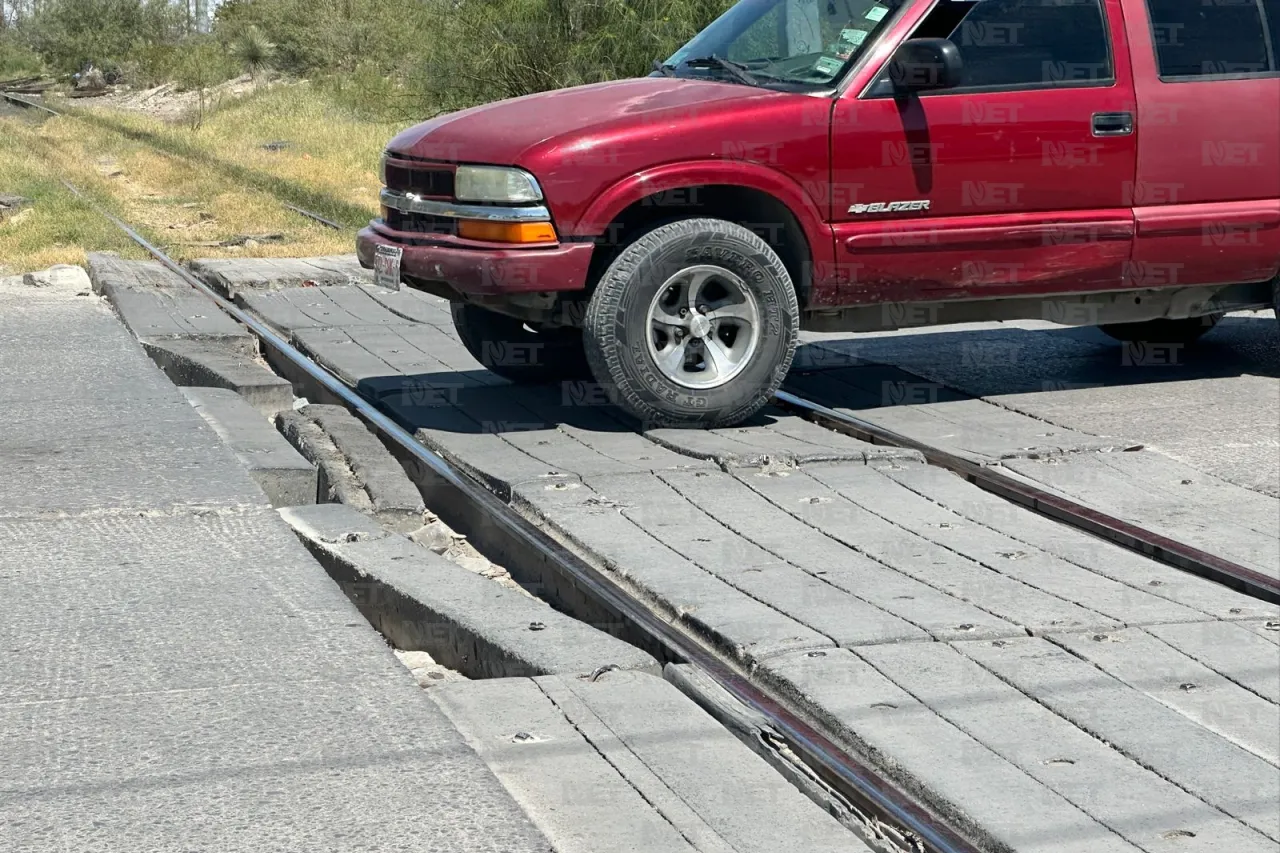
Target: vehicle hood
502,132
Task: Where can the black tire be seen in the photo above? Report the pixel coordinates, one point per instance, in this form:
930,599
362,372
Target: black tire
1182,331
522,354
617,329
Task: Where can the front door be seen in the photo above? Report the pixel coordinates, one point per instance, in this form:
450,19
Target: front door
1014,183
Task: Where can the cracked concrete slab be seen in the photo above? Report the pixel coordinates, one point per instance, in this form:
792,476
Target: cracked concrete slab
154,302
355,467
210,364
234,276
285,477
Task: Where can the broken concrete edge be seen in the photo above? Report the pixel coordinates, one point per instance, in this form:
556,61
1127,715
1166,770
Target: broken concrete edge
193,362
233,277
147,297
421,601
356,467
755,730
285,477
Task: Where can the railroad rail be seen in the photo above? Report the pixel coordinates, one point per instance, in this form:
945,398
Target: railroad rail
1126,534
23,102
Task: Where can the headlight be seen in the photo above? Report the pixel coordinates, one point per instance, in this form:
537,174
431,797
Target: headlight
494,183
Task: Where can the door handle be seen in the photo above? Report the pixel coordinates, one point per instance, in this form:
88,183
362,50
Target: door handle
1112,124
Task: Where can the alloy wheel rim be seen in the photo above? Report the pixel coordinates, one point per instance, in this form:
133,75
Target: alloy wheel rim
703,327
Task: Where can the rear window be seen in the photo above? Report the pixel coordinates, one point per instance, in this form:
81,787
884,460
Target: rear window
1209,38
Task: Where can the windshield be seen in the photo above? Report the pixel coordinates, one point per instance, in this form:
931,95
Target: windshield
801,43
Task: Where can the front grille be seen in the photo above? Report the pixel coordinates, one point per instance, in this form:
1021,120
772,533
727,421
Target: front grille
430,183
418,223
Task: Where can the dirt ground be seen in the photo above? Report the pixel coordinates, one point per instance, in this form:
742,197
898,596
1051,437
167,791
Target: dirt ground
167,103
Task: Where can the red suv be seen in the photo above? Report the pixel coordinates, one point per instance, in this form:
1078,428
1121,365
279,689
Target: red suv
851,165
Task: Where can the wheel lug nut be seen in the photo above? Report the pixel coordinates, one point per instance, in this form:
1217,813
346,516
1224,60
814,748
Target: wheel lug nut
684,312
702,309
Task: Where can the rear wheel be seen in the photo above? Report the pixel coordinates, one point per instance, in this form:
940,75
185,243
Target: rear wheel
1182,331
693,325
521,352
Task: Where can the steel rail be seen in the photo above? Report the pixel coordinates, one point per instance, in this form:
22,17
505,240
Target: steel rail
25,103
861,784
1126,534
317,217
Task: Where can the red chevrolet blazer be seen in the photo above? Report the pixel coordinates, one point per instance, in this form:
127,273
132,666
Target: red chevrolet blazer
850,165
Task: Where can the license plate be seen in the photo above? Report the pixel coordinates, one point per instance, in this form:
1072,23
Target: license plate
386,267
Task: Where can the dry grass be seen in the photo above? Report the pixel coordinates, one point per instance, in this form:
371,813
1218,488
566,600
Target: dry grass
181,185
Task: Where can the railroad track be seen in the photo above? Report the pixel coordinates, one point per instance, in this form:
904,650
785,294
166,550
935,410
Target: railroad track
1131,536
28,104
808,747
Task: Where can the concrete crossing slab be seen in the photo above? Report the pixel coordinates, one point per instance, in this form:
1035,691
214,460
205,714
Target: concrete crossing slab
234,276
1167,497
1238,651
285,477
1201,762
1033,566
1089,552
741,626
1195,691
934,413
952,772
631,747
657,510
1212,406
1001,595
1145,809
156,303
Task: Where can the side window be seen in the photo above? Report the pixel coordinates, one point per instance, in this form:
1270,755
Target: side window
1024,43
1200,38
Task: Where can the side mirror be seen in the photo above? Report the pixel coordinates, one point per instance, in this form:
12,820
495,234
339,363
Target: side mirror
921,65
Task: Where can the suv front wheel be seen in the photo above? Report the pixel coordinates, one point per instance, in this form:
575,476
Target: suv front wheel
693,325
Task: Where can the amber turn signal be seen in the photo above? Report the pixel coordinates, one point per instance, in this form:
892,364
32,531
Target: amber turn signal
506,232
